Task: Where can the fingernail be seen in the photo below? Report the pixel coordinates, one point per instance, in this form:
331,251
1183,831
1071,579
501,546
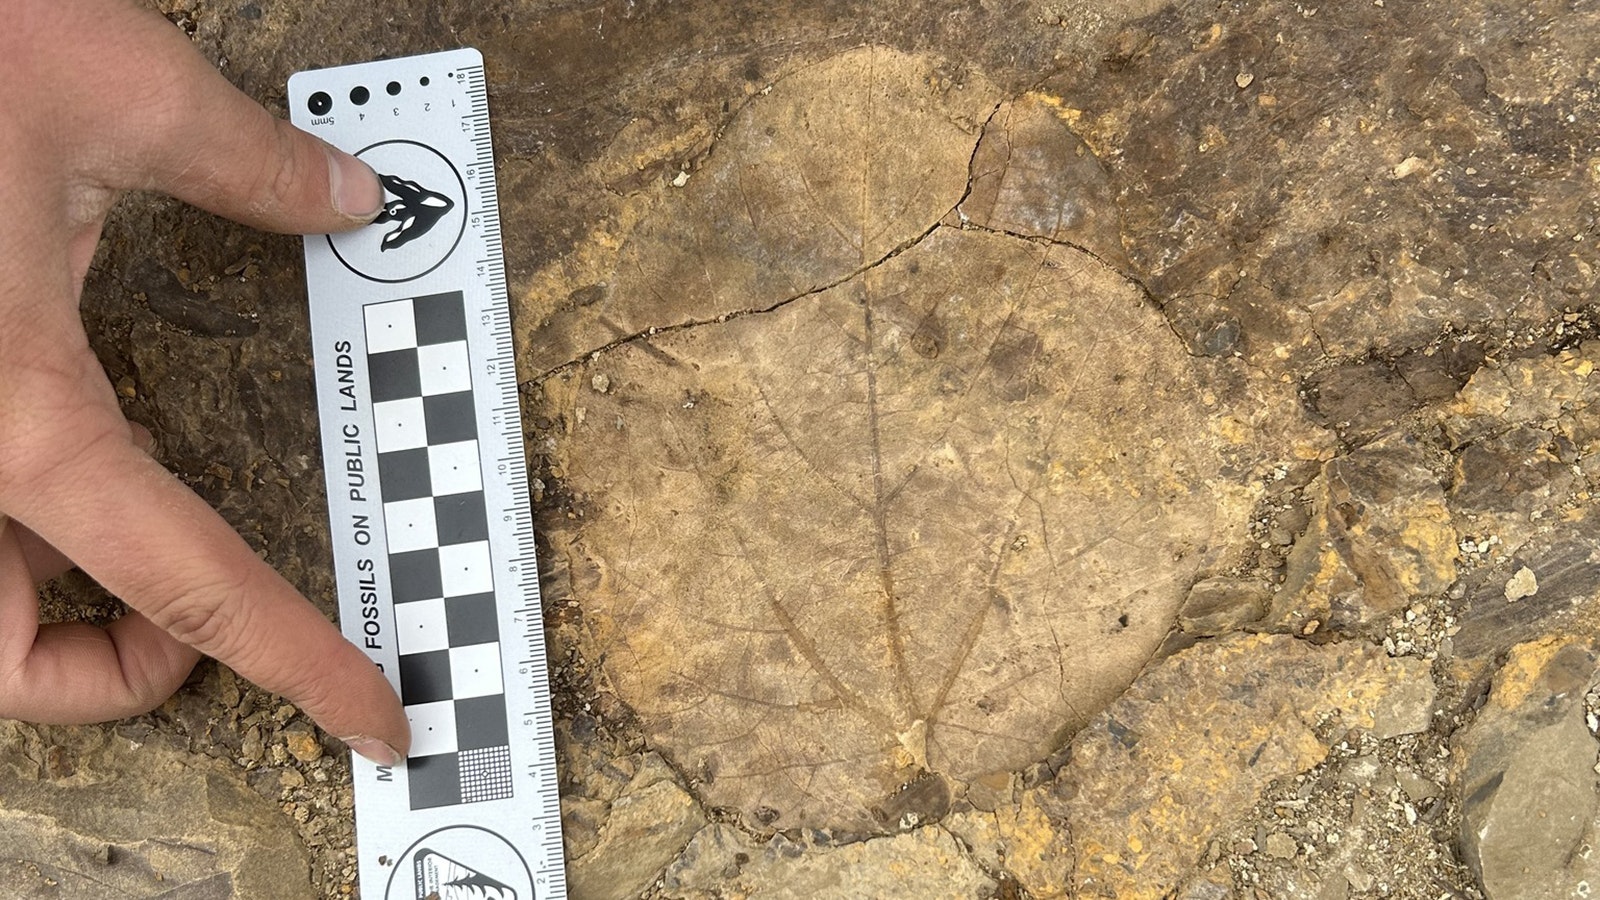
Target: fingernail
375,750
142,438
353,186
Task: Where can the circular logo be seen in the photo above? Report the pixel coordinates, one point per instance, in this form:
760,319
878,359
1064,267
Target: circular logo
423,218
461,862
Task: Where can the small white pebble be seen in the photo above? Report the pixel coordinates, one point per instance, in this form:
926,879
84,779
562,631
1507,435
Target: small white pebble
1522,584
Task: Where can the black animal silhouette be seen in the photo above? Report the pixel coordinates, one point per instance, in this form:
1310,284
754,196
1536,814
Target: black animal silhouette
455,880
416,209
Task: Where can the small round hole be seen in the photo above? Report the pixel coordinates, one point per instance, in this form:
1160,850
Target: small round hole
359,95
319,103
393,88
424,81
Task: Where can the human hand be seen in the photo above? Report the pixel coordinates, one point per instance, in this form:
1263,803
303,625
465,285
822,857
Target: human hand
101,96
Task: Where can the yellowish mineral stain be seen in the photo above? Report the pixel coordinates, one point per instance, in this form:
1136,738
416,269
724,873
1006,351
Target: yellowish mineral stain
1037,852
1524,671
1135,834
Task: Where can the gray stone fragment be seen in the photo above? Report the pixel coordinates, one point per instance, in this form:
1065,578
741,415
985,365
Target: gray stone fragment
726,864
648,824
1219,605
1281,846
1213,886
1529,800
1357,877
1523,583
581,819
1360,771
1416,787
1408,709
99,816
1033,176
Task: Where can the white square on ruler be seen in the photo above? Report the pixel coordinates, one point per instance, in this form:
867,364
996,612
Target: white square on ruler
390,326
421,627
401,424
444,368
411,525
464,569
433,728
475,671
454,468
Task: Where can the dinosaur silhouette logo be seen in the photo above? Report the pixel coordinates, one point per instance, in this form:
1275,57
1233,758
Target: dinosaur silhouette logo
424,217
415,210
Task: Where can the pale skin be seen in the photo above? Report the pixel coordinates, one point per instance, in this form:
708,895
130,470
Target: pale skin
98,97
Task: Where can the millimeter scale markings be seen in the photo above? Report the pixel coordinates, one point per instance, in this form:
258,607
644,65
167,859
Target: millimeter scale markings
427,488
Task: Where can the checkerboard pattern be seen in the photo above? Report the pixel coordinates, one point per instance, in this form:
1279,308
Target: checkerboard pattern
439,568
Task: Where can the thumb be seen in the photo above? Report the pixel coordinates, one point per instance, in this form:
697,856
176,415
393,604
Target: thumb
277,179
208,144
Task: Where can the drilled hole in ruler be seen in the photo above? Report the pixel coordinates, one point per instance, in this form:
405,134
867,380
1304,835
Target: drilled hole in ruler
393,88
424,81
359,95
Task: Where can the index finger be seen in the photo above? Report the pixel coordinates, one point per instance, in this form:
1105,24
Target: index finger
147,538
155,115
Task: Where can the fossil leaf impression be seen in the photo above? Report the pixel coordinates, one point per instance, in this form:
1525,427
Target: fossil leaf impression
928,506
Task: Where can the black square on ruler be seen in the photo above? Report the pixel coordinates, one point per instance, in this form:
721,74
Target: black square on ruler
404,475
450,418
471,620
415,576
441,318
481,722
425,677
435,780
395,375
461,518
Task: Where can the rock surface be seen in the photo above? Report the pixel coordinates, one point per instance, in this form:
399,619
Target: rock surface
1219,605
643,829
1194,743
1306,290
1381,535
1565,564
90,815
1032,176
1527,776
722,862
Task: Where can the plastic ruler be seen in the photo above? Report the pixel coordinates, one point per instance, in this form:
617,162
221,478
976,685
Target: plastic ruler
427,487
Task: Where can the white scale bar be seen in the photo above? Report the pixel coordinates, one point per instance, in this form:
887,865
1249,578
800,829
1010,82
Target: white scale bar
424,827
